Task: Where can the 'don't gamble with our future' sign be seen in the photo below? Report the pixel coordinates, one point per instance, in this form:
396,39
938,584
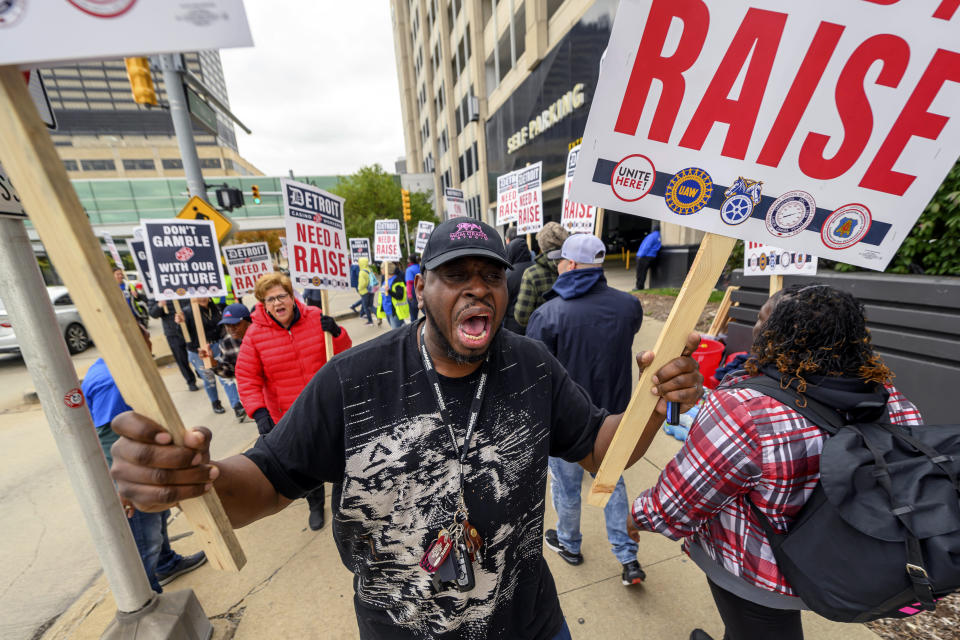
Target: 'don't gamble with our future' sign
184,259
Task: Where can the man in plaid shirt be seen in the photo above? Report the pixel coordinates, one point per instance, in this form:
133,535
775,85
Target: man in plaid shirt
236,319
746,447
540,276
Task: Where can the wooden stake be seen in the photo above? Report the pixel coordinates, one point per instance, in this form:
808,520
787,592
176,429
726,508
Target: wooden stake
201,335
183,325
706,269
598,223
327,336
529,243
30,157
723,312
776,283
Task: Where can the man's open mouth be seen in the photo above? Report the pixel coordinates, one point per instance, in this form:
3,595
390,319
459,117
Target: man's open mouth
474,327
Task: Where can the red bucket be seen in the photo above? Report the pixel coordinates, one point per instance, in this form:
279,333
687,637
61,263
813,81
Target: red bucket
708,355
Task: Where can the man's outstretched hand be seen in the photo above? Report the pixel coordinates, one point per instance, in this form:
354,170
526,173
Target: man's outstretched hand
677,381
152,472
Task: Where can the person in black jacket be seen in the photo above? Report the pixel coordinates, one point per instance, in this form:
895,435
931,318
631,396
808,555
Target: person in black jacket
171,331
210,317
519,256
589,327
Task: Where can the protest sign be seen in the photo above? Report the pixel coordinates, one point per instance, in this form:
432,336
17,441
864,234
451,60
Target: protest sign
138,250
246,263
764,260
112,248
576,217
386,241
530,199
456,206
184,258
821,127
359,248
283,247
10,206
318,241
95,29
424,229
507,198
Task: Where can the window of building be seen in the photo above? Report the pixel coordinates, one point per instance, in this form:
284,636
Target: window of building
98,165
210,163
71,165
145,164
444,142
552,7
446,180
432,13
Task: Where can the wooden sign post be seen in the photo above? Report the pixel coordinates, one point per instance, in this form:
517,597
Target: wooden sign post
55,211
201,335
183,325
327,336
776,283
598,224
706,269
723,313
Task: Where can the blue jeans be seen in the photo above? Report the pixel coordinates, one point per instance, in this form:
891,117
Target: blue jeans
395,322
566,477
564,633
150,534
366,306
414,308
209,379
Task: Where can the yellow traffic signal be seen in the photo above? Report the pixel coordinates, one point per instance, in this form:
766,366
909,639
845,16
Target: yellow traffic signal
256,194
405,198
141,82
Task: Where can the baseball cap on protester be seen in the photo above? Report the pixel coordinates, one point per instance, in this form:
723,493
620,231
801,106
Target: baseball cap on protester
584,248
234,313
463,238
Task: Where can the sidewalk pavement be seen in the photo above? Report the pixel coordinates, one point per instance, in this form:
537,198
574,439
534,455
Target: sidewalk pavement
294,585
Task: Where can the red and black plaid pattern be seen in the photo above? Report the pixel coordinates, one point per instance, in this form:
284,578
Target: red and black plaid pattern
743,445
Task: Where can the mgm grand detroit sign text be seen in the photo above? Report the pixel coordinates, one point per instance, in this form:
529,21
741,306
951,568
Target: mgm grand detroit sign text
550,116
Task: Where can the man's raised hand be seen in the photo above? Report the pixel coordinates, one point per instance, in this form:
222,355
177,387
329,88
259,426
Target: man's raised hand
151,471
677,381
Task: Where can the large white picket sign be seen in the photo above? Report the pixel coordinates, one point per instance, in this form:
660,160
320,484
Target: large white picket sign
818,126
386,240
530,199
319,254
246,264
507,198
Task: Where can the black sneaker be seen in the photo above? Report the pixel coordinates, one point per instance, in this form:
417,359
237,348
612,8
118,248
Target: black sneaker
632,574
239,412
700,634
218,408
186,564
193,387
553,543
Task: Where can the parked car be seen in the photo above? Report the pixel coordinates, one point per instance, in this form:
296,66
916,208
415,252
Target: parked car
71,326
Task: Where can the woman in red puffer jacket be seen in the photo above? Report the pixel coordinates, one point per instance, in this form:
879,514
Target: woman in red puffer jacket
281,352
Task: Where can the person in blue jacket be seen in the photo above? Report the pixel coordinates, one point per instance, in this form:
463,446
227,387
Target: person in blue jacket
646,254
589,327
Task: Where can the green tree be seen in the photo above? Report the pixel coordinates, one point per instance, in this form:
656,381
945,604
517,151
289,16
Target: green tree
373,194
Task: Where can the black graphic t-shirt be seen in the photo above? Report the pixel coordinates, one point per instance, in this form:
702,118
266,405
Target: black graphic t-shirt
369,420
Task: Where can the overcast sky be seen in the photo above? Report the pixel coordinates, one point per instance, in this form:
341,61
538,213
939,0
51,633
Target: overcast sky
318,88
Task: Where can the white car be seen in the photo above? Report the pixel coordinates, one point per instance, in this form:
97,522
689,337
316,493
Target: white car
71,326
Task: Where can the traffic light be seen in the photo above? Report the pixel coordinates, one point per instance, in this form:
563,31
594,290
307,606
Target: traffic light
405,198
229,198
255,190
141,82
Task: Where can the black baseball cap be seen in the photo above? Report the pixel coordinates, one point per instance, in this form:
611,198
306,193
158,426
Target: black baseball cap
462,238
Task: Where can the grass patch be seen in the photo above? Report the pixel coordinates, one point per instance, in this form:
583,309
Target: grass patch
715,296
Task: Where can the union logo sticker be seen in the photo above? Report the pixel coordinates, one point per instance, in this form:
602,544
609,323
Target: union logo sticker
846,226
791,213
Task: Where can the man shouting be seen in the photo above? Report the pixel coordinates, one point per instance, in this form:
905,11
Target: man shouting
439,433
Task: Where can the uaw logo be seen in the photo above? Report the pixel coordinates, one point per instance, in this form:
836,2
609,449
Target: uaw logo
184,254
846,226
688,191
296,196
469,230
791,213
740,199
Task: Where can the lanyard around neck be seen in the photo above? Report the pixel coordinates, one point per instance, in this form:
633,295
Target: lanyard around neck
475,404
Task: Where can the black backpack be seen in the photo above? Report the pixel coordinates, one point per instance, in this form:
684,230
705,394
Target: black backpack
880,535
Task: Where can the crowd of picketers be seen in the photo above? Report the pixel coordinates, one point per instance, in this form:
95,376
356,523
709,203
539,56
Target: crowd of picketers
438,435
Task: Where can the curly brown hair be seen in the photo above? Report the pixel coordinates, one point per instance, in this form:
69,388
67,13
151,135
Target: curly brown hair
816,330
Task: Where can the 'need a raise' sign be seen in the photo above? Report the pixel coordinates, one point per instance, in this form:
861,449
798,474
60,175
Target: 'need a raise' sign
184,258
246,263
319,254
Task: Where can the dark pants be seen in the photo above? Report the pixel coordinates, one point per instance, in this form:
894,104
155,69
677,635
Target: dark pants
178,347
366,308
745,620
315,499
150,534
414,308
643,264
314,302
